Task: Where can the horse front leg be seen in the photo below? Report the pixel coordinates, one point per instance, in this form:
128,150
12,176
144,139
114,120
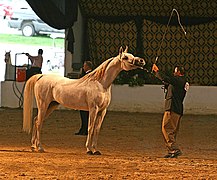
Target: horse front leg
98,124
92,118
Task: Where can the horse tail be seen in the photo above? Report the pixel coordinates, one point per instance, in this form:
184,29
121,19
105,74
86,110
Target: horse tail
28,103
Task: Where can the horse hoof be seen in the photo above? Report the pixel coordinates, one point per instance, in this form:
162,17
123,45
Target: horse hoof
97,153
41,150
33,149
89,153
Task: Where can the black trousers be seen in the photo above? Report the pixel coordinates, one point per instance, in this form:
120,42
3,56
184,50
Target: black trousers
32,71
84,121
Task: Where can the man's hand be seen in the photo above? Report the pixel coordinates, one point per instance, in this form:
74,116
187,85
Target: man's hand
155,68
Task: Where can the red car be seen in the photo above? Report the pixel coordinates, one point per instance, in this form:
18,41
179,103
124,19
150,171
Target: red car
5,10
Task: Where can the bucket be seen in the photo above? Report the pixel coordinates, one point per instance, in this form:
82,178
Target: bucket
21,74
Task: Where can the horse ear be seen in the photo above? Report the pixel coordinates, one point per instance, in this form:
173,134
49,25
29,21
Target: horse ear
126,49
120,51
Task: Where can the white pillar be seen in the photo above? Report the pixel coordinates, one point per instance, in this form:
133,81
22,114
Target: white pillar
77,55
68,59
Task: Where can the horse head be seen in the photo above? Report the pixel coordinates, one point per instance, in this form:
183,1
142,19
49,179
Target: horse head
128,61
8,57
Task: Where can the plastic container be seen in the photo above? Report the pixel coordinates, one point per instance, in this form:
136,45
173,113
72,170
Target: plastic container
21,74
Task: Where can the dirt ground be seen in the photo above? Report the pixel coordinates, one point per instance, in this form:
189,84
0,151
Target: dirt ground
131,145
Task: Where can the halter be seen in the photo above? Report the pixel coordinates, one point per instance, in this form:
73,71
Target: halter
138,63
130,61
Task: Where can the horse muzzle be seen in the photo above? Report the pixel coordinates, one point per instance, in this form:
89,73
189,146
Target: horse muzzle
139,62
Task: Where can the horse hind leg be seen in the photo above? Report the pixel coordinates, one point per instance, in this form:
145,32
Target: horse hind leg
52,106
33,140
36,145
34,136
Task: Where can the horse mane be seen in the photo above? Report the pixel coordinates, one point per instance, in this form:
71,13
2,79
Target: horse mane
98,73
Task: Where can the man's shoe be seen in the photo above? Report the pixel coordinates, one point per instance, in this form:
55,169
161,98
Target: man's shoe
173,155
77,133
168,155
176,154
81,133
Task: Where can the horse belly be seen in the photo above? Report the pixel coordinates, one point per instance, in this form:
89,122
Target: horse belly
74,99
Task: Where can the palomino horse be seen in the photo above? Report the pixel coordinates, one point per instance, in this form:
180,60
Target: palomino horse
91,93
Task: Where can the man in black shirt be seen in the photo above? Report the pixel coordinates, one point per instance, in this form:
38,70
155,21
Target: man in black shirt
176,87
87,67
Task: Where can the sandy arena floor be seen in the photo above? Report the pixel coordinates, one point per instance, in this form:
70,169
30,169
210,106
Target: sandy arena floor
131,145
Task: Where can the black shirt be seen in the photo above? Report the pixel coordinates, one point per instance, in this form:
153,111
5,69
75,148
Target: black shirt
175,93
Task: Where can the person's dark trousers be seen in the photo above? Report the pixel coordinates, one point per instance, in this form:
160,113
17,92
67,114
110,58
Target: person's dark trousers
84,122
32,71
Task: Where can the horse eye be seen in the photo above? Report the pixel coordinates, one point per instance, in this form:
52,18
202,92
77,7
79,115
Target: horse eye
125,58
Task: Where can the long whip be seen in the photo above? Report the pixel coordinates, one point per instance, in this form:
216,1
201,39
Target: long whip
174,10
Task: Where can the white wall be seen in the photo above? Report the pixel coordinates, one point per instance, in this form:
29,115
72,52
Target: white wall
148,98
202,100
11,93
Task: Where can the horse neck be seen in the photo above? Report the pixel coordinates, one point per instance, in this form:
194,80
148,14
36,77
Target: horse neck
111,72
9,60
